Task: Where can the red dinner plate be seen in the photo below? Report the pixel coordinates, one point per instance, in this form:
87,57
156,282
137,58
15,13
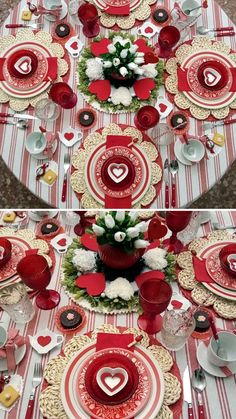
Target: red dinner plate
112,361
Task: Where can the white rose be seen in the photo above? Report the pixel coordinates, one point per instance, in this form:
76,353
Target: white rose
120,216
124,53
123,71
132,66
107,64
139,60
111,48
133,215
133,49
142,227
141,244
99,231
119,236
116,62
109,221
132,232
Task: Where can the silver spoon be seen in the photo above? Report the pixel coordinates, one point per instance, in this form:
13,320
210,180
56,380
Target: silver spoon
21,123
203,31
188,11
199,384
173,167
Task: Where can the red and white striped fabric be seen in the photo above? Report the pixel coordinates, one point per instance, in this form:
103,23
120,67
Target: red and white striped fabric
192,181
219,396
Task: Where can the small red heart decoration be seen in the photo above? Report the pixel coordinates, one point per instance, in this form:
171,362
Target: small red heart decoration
150,57
89,241
158,275
62,242
74,45
101,88
44,340
98,48
156,229
176,304
162,107
142,46
143,88
94,283
69,136
148,30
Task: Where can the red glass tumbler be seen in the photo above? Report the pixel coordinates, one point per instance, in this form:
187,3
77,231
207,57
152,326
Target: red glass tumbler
35,273
154,298
168,37
146,117
62,94
88,15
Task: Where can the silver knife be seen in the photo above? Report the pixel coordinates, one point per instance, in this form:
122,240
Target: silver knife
17,115
187,392
166,180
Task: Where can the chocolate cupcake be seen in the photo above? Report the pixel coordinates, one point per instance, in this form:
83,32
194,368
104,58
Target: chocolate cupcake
178,119
202,321
62,30
86,118
70,319
160,15
49,228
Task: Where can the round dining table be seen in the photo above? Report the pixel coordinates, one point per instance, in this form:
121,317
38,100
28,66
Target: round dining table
219,395
192,181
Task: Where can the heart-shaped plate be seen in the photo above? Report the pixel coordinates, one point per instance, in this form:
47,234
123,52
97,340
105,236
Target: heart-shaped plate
112,380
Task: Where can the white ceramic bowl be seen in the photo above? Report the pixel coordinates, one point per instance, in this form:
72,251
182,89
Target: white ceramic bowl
228,342
31,143
191,4
194,150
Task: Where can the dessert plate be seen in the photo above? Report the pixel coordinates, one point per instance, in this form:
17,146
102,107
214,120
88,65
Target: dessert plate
217,273
149,393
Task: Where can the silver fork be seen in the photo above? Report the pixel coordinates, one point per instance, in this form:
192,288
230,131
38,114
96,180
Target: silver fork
37,377
66,168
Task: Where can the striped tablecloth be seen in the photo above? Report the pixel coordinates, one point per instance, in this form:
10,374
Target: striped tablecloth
219,397
192,182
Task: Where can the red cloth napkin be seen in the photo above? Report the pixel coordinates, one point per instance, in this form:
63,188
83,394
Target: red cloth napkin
183,85
118,140
201,273
114,340
225,369
2,61
8,351
119,11
52,69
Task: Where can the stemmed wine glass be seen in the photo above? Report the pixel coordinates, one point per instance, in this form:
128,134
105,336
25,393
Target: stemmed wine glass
34,271
62,94
88,15
81,227
168,37
176,221
154,298
146,117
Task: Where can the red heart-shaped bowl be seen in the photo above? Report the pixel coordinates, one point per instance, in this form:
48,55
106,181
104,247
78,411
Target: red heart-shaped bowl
217,66
127,181
6,252
223,255
16,57
113,361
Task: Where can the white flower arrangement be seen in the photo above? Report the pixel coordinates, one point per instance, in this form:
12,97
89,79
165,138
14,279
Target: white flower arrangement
84,260
94,69
121,96
156,259
120,287
149,70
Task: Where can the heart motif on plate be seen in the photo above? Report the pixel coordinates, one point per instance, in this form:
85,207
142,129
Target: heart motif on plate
112,380
62,242
148,30
74,45
117,172
69,136
23,65
44,340
232,262
211,76
176,304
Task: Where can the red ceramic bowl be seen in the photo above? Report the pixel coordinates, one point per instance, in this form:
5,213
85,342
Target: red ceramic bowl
22,64
5,251
230,249
112,361
217,69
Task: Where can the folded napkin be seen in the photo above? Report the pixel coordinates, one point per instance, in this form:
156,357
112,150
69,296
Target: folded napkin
2,61
225,369
14,340
183,85
118,140
200,271
119,11
114,340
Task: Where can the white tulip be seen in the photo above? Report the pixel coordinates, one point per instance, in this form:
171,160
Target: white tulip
142,226
109,221
139,60
141,244
133,215
116,62
119,236
107,64
111,48
117,39
120,216
99,231
132,232
123,71
132,66
124,53
133,49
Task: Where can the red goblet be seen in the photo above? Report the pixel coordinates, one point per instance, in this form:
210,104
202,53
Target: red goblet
83,224
176,221
88,15
154,298
63,95
168,37
34,271
146,117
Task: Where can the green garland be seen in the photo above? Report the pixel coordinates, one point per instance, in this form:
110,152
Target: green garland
84,80
70,275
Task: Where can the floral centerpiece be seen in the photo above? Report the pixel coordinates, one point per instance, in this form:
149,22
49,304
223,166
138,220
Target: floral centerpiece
93,284
119,73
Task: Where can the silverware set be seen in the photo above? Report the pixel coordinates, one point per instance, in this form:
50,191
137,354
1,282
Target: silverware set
66,168
218,32
37,378
198,383
171,168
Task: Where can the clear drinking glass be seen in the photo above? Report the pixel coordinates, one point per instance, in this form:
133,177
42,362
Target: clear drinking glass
177,326
162,134
15,301
47,110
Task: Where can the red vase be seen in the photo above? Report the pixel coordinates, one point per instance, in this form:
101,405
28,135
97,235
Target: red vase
116,258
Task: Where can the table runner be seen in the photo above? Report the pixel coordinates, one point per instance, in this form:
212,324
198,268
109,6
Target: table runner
219,397
192,182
